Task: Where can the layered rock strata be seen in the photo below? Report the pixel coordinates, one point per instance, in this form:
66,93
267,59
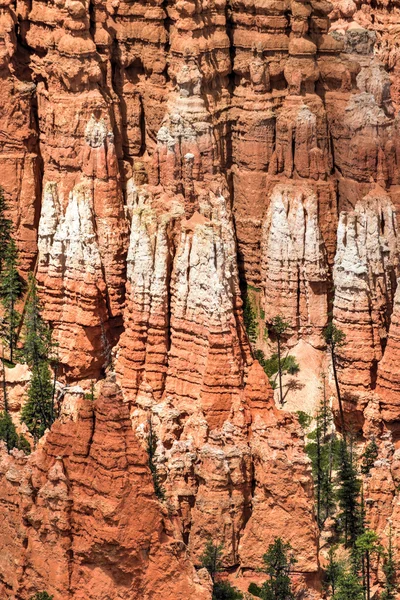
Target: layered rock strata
157,157
82,520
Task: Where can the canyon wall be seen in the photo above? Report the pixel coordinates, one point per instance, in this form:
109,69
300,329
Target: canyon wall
161,161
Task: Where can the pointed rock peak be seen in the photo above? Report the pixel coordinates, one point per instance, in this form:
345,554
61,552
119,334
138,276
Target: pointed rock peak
195,219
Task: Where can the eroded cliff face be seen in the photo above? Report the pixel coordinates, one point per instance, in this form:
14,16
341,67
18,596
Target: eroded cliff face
157,158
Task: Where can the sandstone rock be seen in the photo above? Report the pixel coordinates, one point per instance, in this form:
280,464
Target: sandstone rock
157,157
70,530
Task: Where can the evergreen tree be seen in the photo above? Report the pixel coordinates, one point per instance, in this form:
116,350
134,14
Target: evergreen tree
42,596
279,327
366,545
38,345
212,561
151,451
333,572
223,590
249,318
369,457
270,365
5,228
389,569
10,290
9,434
322,450
278,562
349,587
335,338
348,493
212,558
38,413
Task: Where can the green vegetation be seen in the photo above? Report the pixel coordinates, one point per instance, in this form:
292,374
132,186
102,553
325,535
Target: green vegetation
5,229
348,494
42,596
389,569
278,327
335,338
349,587
10,290
90,395
323,450
212,561
250,319
38,412
369,457
366,546
333,572
151,451
8,433
223,590
271,365
304,418
10,436
278,563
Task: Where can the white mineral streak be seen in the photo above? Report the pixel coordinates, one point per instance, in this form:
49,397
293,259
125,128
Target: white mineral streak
49,220
147,258
365,271
75,245
205,271
294,256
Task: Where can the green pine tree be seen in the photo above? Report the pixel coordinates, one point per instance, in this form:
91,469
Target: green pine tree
38,413
211,560
334,339
323,451
8,432
348,495
10,290
5,228
366,546
349,587
279,327
333,572
151,451
223,590
278,563
249,318
369,457
38,344
389,569
42,596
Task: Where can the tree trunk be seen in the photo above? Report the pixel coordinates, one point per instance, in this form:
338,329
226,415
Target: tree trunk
368,571
11,330
280,370
338,393
319,477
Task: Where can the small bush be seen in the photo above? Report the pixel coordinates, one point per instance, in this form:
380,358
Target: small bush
304,419
250,320
255,590
271,365
223,590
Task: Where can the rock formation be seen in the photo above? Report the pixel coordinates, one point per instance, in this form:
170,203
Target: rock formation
82,518
161,162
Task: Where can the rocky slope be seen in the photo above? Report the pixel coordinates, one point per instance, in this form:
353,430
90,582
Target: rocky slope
158,159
